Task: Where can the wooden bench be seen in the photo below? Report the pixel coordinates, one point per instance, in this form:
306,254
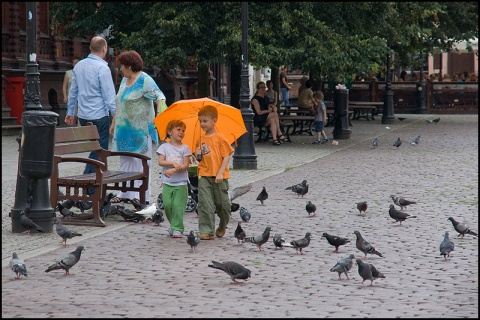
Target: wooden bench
75,140
293,122
364,109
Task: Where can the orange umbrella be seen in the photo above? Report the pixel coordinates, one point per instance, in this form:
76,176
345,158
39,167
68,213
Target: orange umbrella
229,123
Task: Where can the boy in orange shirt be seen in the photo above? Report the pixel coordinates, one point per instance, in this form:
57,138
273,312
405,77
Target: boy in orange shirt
213,174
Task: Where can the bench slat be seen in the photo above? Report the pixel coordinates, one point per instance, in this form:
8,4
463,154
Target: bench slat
72,134
77,147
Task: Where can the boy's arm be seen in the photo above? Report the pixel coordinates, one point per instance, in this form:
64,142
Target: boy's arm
225,162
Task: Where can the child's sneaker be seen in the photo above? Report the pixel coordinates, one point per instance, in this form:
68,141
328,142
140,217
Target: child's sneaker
206,236
324,141
177,234
316,142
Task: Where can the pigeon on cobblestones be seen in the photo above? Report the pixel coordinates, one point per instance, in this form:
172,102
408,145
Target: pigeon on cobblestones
193,241
364,246
446,246
233,269
106,209
65,212
83,205
402,202
311,208
415,141
335,241
28,224
297,186
263,195
302,191
235,193
461,228
148,212
68,203
300,243
260,239
245,215
239,233
68,261
65,232
437,120
398,215
157,217
375,143
368,271
362,207
278,241
398,143
18,266
343,266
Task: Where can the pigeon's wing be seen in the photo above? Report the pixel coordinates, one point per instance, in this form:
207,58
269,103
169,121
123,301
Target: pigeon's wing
375,273
237,192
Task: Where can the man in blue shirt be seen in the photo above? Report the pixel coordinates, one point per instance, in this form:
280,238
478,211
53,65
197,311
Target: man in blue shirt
92,87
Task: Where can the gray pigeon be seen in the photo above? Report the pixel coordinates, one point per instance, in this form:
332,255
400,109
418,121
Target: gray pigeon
362,207
402,202
193,240
415,141
278,241
239,233
335,241
68,203
83,205
368,271
106,209
364,246
311,208
398,143
245,215
343,266
65,232
157,217
68,261
65,212
375,143
263,195
446,246
297,186
18,266
233,269
300,243
302,191
461,228
260,239
398,215
28,224
235,193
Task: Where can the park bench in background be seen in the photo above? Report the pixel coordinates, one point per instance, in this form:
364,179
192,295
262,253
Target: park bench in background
75,141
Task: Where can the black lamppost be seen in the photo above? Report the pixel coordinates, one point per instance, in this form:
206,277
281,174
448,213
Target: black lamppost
388,115
35,160
421,92
244,156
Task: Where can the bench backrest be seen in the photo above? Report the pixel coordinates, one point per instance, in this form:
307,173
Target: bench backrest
76,139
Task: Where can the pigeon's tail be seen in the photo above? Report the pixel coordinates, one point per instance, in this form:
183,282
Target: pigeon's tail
55,266
472,233
411,217
289,245
288,188
18,269
217,265
377,253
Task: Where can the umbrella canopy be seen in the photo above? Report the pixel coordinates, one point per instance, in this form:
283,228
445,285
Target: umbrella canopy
229,123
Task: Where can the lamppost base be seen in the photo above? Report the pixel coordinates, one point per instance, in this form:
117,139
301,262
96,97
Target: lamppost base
342,134
388,120
247,163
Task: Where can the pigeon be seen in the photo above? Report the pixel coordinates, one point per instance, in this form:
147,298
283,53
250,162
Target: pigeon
402,202
437,120
398,143
335,241
239,233
235,193
65,232
137,205
278,241
364,246
446,246
362,207
343,266
193,241
398,215
461,228
302,191
401,118
234,207
260,239
107,206
311,208
148,212
157,217
245,214
83,205
68,261
18,266
300,243
28,224
297,186
368,271
415,141
68,203
375,143
233,269
263,195
116,209
65,212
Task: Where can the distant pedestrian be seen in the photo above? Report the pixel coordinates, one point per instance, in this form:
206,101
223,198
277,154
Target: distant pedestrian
174,158
67,83
320,117
284,88
213,175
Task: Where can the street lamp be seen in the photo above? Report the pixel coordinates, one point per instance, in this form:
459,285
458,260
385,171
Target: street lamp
244,156
421,93
388,115
35,160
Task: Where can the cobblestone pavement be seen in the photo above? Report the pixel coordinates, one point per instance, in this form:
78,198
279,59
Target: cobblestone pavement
136,270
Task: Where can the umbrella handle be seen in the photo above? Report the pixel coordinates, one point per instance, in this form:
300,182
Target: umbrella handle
199,156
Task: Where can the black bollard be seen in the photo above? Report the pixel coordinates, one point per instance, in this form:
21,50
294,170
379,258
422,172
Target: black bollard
340,104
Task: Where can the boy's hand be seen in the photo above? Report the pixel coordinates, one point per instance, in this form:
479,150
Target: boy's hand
219,178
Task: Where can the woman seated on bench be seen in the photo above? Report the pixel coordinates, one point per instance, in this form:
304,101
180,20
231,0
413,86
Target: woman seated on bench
306,100
265,114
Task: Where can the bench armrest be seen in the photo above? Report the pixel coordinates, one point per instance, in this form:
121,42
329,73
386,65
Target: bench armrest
99,166
142,157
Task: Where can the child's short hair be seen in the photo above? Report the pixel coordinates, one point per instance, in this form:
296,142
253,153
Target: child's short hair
208,110
173,124
318,95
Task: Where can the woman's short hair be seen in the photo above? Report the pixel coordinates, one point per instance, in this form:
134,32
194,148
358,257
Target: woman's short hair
131,59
